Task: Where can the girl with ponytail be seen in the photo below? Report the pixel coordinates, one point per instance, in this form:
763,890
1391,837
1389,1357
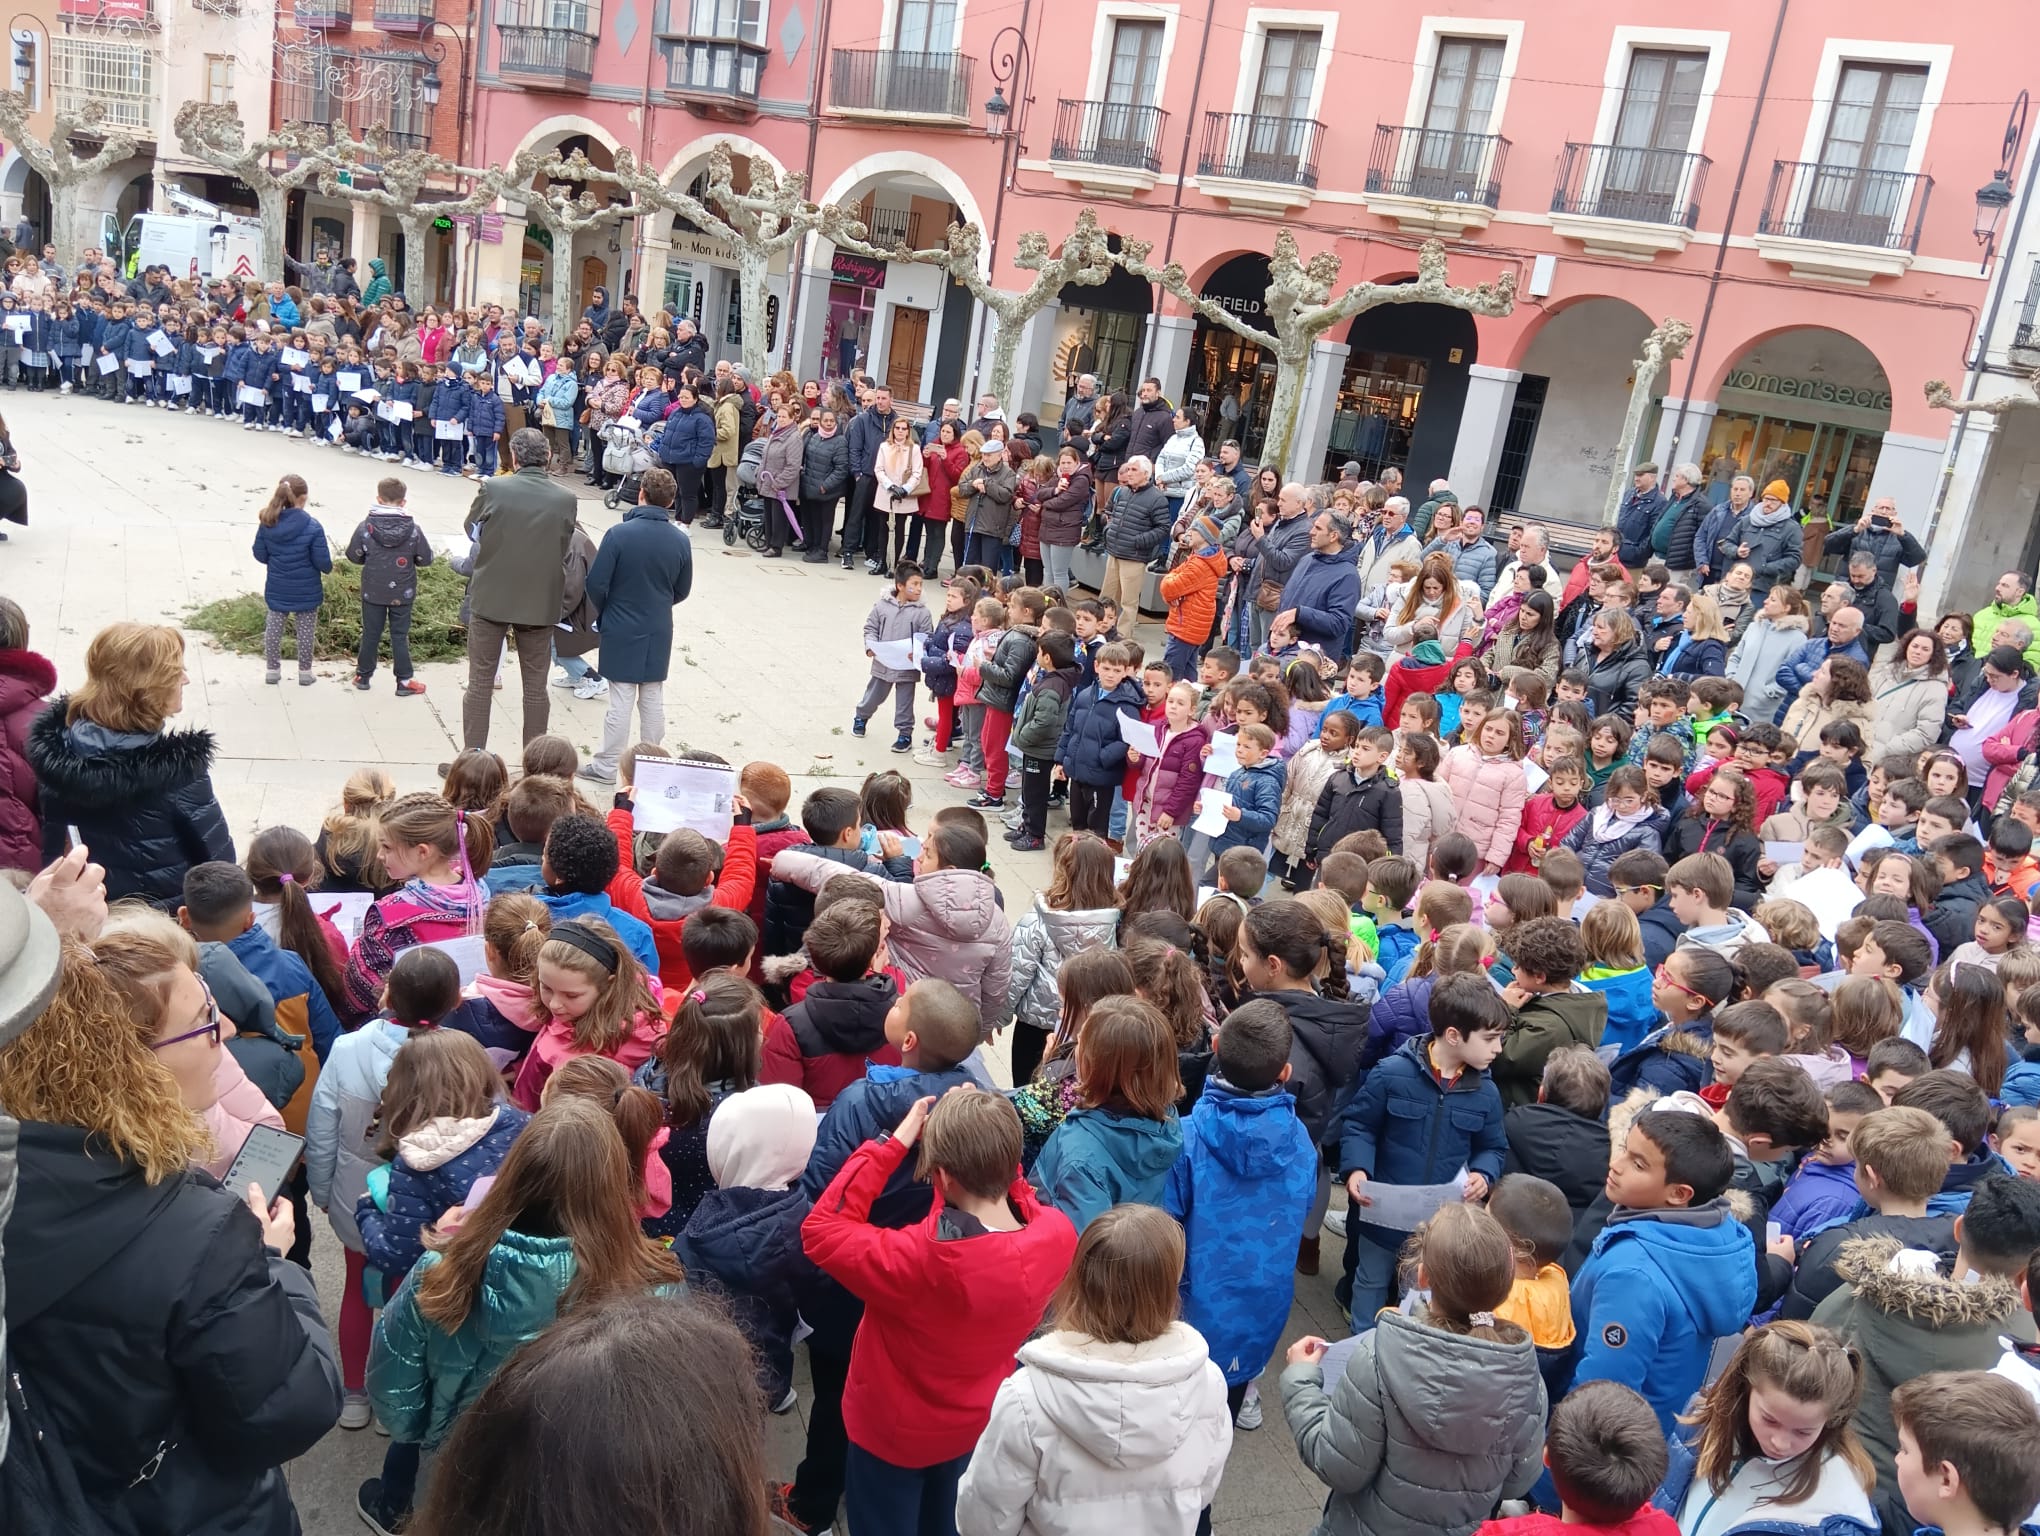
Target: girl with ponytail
640,1120
714,1049
293,545
286,870
499,1007
440,855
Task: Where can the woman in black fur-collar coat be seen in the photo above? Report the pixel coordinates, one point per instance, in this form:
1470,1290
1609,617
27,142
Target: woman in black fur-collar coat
141,797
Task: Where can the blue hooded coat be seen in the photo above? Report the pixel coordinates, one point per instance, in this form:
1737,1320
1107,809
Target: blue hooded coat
1097,1159
744,1245
423,1185
1257,791
1656,1291
1091,750
296,553
1242,1191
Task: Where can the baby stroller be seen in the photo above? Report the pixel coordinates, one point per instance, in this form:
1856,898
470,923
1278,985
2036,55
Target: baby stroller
624,452
750,523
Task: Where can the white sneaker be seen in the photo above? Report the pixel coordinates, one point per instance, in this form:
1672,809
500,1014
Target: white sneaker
592,688
355,1412
563,679
1250,1410
1335,1222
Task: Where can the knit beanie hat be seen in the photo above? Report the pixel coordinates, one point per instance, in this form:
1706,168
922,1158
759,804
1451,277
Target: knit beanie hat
1777,490
761,1138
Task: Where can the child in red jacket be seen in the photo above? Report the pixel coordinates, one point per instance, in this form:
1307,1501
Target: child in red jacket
1607,1457
679,884
768,791
1547,817
823,1042
947,1302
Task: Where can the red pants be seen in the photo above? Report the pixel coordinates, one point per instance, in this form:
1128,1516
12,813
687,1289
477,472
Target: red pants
945,722
357,1326
998,726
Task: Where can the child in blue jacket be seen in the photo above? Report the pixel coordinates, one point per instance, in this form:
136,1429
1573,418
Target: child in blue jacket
113,340
1426,1112
1672,1271
1256,790
1242,1191
484,422
449,408
1118,1145
1092,754
292,544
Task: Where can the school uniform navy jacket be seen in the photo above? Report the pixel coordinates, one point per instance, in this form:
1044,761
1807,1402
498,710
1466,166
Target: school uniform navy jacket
744,1246
1257,791
484,413
138,348
1658,1288
1091,750
449,403
113,339
1405,1127
296,554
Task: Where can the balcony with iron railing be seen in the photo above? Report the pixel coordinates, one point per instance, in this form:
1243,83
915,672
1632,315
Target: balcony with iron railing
1257,163
1842,223
888,83
1109,147
343,98
120,79
323,15
403,15
546,44
715,76
2026,334
1435,181
1628,200
890,227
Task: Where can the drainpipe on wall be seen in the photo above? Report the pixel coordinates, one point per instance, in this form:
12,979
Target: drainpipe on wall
1742,171
1147,359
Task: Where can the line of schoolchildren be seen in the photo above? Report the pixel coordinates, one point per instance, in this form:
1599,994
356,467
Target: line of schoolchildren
350,394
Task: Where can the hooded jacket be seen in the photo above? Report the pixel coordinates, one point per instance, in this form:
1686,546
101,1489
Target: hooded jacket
1094,1439
378,287
435,1167
1168,784
1657,1289
1191,591
296,554
1406,1127
1425,1430
1324,1052
1908,1317
1092,752
1754,1481
143,803
1985,625
1952,917
822,1043
946,923
945,1311
389,546
1598,854
1613,680
1631,1013
1044,938
1910,707
1549,1141
25,682
1766,647
555,1045
1736,929
1348,804
743,1245
1064,511
1000,677
340,1130
1242,1191
1820,1194
1098,1159
1045,713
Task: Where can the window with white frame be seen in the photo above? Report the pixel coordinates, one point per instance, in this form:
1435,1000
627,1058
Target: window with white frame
1861,185
219,79
120,77
1288,77
1644,168
1452,152
732,20
925,26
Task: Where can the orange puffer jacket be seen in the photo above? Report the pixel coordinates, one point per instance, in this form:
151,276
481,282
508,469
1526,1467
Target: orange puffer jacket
1191,591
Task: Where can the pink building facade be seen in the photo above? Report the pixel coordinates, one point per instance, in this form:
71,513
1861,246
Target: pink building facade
1796,181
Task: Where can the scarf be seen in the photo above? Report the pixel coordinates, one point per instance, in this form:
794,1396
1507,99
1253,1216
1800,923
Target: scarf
1762,519
1608,826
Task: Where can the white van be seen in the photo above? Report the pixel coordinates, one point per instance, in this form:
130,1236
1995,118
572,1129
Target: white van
191,244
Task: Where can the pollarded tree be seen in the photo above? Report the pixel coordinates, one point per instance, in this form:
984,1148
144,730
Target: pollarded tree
1667,340
396,182
553,207
1084,258
60,166
213,132
1301,306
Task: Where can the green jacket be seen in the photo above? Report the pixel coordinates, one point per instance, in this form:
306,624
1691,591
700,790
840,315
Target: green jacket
422,1378
1991,615
378,287
1544,1023
1038,725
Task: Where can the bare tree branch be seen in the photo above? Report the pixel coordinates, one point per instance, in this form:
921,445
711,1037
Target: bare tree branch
59,165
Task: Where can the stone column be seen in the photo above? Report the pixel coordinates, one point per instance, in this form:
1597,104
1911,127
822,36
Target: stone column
1483,423
1307,444
1169,351
364,236
810,317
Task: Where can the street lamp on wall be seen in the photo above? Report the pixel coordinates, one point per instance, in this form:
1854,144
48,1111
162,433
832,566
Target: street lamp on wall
1008,61
1995,196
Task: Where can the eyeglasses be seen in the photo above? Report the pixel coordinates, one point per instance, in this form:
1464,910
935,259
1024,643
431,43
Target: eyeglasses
1636,890
1664,974
210,1029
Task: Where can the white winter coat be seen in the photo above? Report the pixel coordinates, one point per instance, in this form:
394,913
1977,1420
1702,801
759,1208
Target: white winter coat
340,1129
1910,706
1427,815
1091,1439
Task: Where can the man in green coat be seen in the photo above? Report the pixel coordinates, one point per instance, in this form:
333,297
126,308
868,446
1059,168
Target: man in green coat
2013,599
522,525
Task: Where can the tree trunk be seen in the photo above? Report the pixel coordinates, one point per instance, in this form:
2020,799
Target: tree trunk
563,317
1625,448
274,203
1283,406
70,231
416,225
755,287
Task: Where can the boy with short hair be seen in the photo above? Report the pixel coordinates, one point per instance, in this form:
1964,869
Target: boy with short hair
1549,814
1954,1099
1742,1033
1898,814
1242,1189
1952,917
1658,704
822,1042
1566,875
1910,1316
265,990
1221,664
1892,1064
1770,1115
1563,1137
1357,797
1701,890
391,549
1898,952
1362,698
1607,1456
1710,704
1242,872
1572,686
768,789
579,865
948,1299
1091,753
534,803
1256,790
830,817
717,939
1391,888
1639,881
897,615
2008,864
1538,1220
1426,1111
1672,1270
1824,1190
1901,1158
1550,1006
1968,1458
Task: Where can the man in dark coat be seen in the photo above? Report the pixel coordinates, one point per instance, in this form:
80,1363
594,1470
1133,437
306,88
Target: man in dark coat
1638,515
1880,534
1324,589
689,349
1153,422
868,429
522,524
644,568
345,285
1874,600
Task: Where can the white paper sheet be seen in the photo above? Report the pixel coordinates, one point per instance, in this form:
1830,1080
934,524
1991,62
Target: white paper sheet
301,384
448,431
1872,836
1784,853
140,367
1140,735
161,344
1481,887
676,794
1211,804
1534,777
247,396
1224,760
17,324
343,909
334,430
1405,1207
350,381
295,357
1830,894
180,384
401,410
320,402
1119,869
470,952
900,655
106,362
367,396
207,354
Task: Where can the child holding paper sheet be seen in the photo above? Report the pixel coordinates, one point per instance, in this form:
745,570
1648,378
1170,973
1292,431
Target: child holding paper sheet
1092,752
895,619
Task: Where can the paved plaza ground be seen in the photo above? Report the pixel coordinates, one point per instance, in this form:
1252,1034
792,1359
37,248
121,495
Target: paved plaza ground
140,514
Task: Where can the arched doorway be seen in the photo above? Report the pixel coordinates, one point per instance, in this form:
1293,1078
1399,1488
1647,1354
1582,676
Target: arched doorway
1098,330
1566,425
1403,390
1231,381
1808,406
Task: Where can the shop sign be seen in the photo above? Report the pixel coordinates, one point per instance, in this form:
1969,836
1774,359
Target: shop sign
858,271
1240,286
702,247
1822,391
1239,303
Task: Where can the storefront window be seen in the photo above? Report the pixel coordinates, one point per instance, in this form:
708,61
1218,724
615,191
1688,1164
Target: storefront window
1232,383
1828,468
679,292
1376,416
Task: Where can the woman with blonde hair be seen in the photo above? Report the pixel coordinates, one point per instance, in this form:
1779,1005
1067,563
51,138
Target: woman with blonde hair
211,1366
1702,647
140,796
